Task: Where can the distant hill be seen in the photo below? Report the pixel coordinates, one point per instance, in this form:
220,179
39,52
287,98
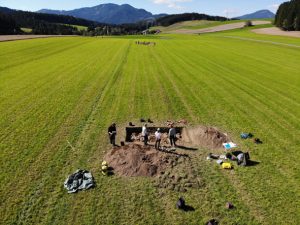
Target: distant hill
25,18
11,22
261,14
108,13
6,10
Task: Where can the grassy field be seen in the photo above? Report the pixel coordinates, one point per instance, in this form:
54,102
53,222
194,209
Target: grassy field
70,89
197,24
80,28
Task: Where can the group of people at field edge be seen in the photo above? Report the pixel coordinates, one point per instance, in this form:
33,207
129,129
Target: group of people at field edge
112,132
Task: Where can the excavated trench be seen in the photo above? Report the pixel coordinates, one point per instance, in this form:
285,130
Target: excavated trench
171,169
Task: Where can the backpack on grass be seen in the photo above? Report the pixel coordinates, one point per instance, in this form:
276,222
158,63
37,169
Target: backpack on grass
226,165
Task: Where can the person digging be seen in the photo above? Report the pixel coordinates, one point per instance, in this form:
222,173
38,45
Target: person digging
112,132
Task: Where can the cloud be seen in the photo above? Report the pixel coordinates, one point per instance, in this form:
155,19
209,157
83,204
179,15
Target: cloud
230,12
274,7
175,4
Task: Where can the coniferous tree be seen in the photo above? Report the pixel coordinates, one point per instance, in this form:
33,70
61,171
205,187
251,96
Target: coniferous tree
8,25
288,14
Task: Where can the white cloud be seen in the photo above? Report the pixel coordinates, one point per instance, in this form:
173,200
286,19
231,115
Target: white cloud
175,4
274,7
231,12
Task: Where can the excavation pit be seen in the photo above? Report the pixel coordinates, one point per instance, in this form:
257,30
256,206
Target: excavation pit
172,169
136,160
199,136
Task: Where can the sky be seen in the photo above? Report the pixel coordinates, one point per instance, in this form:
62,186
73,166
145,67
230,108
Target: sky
229,8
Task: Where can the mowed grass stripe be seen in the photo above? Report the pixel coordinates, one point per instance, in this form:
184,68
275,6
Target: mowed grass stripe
127,205
91,129
27,118
287,137
242,75
41,84
122,188
274,67
231,89
36,52
252,92
64,140
191,79
261,98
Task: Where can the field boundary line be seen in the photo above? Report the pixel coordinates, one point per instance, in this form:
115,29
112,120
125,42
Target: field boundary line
262,41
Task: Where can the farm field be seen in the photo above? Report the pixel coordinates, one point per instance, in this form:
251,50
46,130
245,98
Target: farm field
206,26
55,90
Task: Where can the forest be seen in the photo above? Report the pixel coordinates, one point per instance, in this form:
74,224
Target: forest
288,16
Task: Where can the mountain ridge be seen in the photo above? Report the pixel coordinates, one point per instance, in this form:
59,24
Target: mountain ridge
108,13
260,14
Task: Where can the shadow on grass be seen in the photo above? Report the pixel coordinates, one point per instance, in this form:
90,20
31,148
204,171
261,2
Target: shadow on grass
252,163
186,148
172,152
188,208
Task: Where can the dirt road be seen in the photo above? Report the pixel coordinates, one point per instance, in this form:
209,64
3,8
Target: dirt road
262,41
276,31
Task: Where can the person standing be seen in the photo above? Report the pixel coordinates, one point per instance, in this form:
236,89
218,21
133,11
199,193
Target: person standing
145,134
172,136
157,138
112,132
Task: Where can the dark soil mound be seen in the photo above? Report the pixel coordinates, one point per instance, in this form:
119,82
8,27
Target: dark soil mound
209,137
172,170
136,160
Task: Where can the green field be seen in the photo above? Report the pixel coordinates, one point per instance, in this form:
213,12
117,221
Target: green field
195,24
56,90
80,28
198,24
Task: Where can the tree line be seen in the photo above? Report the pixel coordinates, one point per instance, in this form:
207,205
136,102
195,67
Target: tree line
8,25
288,16
11,22
171,19
39,23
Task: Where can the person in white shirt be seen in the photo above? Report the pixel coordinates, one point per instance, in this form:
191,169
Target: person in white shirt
145,134
157,138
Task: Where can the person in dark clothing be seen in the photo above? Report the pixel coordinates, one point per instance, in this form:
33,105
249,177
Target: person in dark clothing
172,136
112,132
